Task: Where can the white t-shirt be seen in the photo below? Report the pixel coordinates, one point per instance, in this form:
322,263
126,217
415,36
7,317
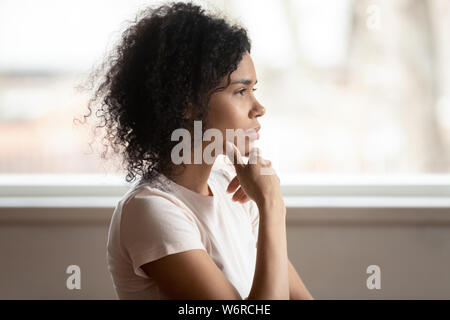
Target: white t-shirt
171,218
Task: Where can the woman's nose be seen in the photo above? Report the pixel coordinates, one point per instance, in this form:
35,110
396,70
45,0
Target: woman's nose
258,110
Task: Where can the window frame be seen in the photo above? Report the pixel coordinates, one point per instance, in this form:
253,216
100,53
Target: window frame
314,191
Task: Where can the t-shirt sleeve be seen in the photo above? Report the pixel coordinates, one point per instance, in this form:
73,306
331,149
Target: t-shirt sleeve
153,227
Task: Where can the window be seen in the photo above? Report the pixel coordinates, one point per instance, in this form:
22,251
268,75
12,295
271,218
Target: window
351,88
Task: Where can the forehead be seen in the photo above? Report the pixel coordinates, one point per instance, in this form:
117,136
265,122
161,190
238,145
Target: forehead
245,69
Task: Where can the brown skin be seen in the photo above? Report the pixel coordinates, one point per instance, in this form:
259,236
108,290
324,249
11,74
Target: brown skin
192,274
233,108
237,107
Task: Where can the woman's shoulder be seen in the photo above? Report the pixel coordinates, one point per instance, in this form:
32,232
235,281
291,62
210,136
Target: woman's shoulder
152,197
153,207
155,196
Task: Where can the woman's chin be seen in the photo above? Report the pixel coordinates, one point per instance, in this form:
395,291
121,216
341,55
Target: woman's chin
245,152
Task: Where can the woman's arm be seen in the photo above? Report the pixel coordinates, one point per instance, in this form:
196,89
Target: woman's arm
297,290
193,274
271,279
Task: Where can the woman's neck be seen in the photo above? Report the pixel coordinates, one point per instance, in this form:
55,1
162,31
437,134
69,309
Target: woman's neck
194,177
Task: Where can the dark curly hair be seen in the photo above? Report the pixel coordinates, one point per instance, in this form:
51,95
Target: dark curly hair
159,78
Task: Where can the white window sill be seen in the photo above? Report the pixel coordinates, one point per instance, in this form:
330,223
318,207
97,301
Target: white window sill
290,202
301,191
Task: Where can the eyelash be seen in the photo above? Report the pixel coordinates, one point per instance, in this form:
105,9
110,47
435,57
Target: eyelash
241,91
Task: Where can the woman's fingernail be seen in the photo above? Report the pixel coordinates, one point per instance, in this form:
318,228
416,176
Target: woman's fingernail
229,151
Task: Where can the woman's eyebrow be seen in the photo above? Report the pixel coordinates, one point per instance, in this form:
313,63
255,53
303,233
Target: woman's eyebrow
244,81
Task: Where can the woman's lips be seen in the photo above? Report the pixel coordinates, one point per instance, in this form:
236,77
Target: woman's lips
253,133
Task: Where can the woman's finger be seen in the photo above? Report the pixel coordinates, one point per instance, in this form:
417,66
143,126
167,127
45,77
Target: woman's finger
244,199
254,155
240,196
234,155
237,194
233,185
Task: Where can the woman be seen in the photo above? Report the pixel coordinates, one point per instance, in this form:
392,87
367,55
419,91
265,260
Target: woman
179,233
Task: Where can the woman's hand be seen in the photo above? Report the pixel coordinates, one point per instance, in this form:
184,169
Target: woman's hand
256,180
239,195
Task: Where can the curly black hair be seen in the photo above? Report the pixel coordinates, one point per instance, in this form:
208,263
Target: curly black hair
159,78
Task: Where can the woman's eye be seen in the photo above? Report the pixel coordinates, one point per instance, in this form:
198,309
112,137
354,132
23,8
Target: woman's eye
241,92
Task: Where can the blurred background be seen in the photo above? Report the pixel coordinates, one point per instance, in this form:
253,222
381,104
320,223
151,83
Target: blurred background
352,89
357,87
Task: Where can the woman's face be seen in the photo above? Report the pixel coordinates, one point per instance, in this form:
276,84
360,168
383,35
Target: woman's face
236,107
